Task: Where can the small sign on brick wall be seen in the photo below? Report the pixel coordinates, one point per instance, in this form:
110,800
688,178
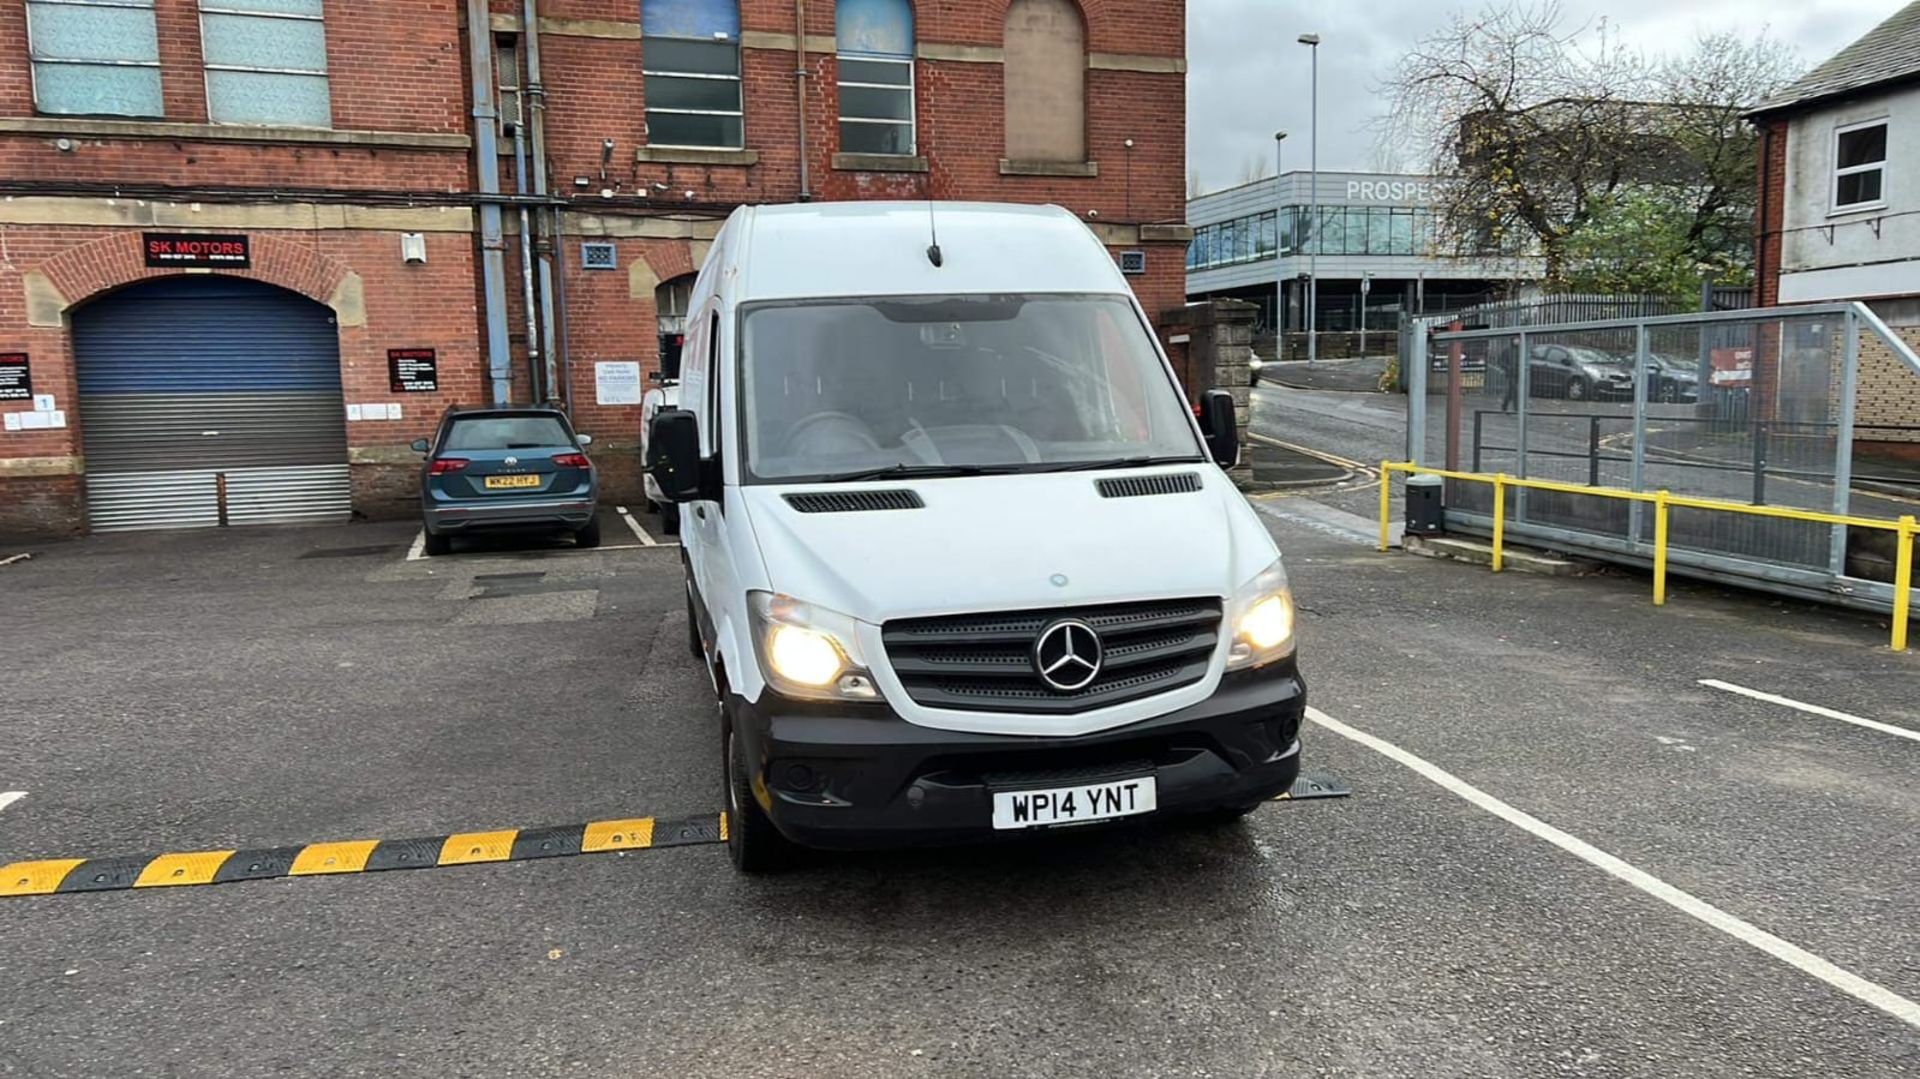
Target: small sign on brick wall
16,377
413,370
617,383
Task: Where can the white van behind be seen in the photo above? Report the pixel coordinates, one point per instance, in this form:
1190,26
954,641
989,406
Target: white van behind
959,559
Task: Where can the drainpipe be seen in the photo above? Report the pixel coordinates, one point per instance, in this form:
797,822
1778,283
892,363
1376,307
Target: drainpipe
537,98
566,337
800,92
534,370
493,267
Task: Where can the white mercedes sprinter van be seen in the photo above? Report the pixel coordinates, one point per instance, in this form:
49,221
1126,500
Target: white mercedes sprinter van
959,560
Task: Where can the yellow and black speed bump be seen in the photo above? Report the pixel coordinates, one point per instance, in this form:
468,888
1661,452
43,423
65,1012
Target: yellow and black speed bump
56,876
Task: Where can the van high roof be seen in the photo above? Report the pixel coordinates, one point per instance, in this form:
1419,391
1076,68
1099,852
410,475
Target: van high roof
880,249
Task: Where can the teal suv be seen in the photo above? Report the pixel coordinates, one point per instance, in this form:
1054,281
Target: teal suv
507,469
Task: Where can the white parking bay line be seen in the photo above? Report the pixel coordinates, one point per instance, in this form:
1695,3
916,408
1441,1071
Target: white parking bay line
645,539
1879,996
419,549
1813,709
7,798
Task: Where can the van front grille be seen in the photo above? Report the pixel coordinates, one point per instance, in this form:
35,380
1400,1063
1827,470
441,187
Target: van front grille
984,662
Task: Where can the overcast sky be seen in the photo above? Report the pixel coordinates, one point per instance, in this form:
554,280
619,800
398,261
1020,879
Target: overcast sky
1248,78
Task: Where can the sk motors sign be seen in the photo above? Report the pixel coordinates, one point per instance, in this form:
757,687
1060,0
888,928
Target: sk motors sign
168,250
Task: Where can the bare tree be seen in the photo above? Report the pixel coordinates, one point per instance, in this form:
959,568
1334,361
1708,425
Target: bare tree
1521,115
1194,188
1538,126
1712,88
1255,168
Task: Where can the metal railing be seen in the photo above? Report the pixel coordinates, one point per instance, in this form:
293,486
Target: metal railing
1663,503
1729,407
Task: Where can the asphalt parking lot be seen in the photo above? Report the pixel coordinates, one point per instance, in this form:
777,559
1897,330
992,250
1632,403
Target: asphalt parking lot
260,688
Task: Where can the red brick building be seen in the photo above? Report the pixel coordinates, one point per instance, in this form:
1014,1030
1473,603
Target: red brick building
247,251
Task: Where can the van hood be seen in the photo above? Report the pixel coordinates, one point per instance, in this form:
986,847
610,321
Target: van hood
983,543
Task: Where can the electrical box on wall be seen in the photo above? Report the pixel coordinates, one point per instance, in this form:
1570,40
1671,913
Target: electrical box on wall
599,256
413,248
1133,262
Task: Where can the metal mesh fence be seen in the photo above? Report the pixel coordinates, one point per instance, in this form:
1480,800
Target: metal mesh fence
1750,407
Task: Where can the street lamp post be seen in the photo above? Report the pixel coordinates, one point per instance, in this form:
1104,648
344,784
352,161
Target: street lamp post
1312,42
1366,286
1279,279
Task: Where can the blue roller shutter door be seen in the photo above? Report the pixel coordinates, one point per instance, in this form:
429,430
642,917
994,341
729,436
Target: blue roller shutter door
208,401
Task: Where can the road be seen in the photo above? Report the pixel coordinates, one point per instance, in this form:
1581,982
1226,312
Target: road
246,689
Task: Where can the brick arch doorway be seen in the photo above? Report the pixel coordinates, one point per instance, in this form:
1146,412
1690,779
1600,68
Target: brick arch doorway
208,401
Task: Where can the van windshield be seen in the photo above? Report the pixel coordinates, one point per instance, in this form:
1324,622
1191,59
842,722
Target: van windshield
954,385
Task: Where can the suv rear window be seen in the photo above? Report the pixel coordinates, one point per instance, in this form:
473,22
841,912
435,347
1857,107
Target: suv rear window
507,433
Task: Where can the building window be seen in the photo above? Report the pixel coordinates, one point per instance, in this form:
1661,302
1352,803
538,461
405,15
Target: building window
1860,166
1046,81
266,62
506,66
94,57
691,59
876,76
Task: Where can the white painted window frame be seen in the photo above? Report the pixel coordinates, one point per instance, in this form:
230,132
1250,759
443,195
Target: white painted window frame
1834,205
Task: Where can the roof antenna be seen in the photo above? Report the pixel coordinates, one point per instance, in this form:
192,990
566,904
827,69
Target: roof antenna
933,229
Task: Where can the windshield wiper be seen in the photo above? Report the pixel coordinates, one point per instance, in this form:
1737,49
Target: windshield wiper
1117,462
919,472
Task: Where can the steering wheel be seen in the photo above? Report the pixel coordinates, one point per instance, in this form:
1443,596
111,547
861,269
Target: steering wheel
850,432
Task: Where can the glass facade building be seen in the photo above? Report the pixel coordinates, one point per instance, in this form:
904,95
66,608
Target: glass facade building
1344,230
1372,249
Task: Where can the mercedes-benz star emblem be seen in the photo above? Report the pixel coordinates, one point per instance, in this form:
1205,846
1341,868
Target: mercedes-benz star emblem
1068,655
511,462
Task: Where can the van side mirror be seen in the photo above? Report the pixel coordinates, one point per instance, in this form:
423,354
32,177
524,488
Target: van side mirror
673,454
420,445
1219,424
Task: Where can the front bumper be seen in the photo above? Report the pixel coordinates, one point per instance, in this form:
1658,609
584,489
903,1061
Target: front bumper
475,516
851,776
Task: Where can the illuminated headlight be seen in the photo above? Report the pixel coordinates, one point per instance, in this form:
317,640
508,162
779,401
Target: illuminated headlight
807,651
1262,617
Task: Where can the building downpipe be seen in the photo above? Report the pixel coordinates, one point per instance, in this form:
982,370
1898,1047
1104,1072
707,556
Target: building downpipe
547,246
527,301
493,266
800,93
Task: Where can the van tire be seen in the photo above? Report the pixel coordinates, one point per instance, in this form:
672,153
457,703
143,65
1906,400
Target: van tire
753,844
438,545
670,518
588,536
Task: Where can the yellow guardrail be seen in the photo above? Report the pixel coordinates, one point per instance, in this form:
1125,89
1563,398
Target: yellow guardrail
1905,529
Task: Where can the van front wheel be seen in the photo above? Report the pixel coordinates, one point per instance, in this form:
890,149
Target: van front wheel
753,843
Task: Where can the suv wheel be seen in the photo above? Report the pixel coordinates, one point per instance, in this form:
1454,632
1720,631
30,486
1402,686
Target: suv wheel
753,843
438,545
588,536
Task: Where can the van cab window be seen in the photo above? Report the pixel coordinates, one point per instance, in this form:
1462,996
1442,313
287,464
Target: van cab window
843,388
